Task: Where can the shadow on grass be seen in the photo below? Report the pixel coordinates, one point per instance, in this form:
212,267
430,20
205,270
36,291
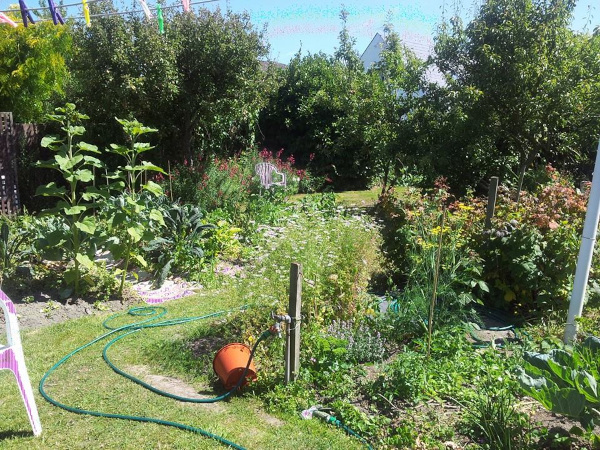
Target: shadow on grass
10,434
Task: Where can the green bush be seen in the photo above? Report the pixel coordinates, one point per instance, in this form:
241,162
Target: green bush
531,251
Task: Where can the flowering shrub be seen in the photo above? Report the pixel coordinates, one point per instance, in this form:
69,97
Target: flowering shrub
362,344
531,251
412,232
215,183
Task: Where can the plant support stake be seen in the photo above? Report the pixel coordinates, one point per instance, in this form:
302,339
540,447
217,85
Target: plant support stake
584,261
292,359
436,276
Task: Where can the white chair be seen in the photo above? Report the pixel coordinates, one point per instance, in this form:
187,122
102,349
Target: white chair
265,172
11,358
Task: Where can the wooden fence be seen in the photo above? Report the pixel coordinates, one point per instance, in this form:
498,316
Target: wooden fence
9,191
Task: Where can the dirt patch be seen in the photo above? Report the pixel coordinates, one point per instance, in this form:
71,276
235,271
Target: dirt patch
175,386
268,418
208,345
40,308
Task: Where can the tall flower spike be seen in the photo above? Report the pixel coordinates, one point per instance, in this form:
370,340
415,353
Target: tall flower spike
146,9
186,5
86,12
5,19
25,13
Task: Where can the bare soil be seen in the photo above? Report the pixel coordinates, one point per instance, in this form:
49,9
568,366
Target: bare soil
38,307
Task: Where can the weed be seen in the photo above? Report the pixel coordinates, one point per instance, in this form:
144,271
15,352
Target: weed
50,307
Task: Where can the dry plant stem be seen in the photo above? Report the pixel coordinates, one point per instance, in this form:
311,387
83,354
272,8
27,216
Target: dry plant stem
435,283
170,180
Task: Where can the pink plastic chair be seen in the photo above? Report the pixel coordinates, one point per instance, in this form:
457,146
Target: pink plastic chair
11,358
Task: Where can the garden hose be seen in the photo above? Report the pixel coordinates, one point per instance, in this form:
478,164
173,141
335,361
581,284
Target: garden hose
328,418
152,313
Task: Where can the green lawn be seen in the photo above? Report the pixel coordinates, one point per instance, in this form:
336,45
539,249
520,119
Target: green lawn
86,382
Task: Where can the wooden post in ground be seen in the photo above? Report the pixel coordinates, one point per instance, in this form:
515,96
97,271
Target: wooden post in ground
292,354
491,205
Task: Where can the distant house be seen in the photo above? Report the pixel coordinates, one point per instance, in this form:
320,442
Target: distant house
372,53
422,48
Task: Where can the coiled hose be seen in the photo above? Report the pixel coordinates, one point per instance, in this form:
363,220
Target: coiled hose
152,313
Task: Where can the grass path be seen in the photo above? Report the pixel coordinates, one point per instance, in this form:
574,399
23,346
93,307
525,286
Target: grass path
87,382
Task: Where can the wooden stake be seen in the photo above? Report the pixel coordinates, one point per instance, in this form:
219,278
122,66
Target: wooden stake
170,182
491,204
295,306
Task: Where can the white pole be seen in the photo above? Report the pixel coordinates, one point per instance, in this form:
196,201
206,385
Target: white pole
584,261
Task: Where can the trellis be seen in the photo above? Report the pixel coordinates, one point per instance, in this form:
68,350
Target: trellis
9,192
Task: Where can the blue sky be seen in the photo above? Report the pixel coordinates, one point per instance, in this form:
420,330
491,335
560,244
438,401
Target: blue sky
314,25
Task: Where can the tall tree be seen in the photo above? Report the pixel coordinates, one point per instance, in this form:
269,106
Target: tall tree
32,69
522,62
200,83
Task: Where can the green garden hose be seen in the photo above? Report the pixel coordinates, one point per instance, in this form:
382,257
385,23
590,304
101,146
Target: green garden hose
152,313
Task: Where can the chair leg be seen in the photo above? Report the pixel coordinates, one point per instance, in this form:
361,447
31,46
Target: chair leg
15,362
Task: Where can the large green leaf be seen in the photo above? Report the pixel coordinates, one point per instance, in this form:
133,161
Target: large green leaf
50,141
84,260
140,260
51,190
84,175
563,373
88,147
153,188
76,130
135,233
156,215
93,161
588,386
65,163
118,149
88,225
74,210
563,401
140,147
145,165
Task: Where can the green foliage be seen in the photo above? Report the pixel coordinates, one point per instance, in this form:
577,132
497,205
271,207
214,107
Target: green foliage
15,244
33,71
361,343
200,82
566,382
530,252
74,161
454,370
179,248
492,416
515,82
129,219
411,237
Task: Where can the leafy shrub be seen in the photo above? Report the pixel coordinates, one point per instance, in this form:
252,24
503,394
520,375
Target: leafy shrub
217,183
179,248
411,234
16,237
566,382
530,253
362,343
